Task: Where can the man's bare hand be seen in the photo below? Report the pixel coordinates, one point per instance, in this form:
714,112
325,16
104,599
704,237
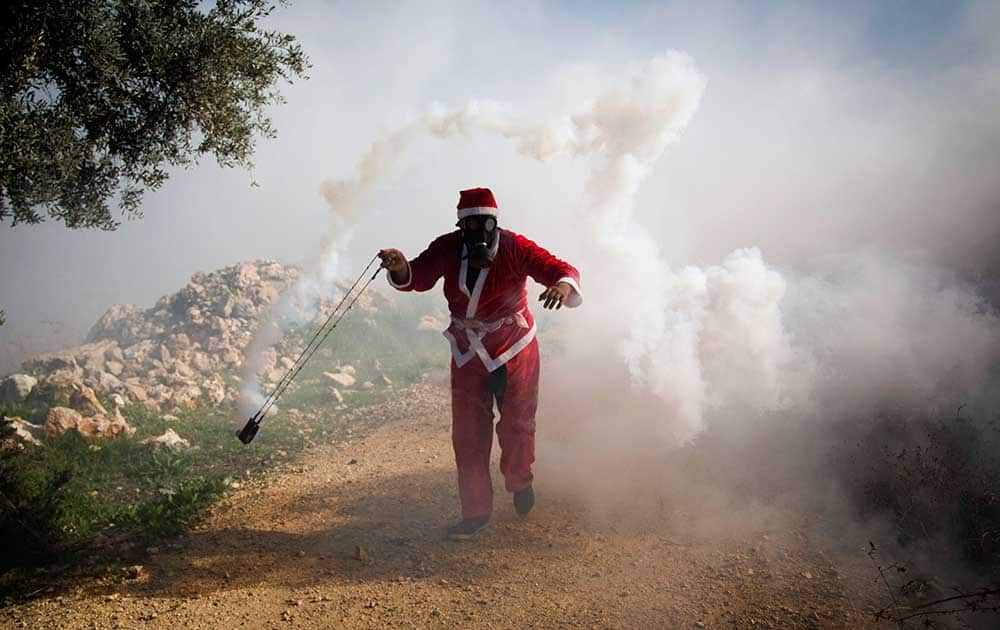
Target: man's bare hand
555,295
393,260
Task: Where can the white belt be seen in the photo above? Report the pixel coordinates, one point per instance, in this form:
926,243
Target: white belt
481,328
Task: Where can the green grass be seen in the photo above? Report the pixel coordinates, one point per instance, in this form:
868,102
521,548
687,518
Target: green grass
74,501
73,494
387,343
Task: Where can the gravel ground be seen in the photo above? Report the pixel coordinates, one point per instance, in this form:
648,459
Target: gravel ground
352,537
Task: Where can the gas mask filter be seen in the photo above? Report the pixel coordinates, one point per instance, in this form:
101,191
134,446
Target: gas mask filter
478,233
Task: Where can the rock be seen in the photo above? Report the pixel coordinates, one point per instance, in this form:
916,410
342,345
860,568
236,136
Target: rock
169,418
114,353
182,370
94,356
169,439
342,379
102,427
136,391
16,387
115,368
160,393
186,398
59,385
349,369
334,394
83,400
178,343
15,432
200,361
142,352
287,363
61,419
246,275
118,401
231,356
109,383
121,322
214,389
52,362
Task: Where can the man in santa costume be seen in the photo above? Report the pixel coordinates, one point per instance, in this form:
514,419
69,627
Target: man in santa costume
493,345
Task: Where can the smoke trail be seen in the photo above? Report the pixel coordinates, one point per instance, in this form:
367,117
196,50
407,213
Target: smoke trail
624,128
668,348
691,337
300,304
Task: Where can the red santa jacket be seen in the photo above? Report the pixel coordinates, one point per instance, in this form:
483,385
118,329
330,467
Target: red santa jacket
493,322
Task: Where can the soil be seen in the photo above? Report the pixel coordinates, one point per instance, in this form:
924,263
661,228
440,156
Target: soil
353,537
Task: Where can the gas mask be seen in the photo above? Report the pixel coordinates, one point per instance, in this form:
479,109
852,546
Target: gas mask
478,234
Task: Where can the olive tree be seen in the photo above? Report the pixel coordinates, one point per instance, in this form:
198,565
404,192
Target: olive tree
99,98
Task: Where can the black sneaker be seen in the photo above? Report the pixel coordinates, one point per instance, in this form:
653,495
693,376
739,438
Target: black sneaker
524,500
467,528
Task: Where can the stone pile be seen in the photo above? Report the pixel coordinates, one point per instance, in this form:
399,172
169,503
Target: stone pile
172,355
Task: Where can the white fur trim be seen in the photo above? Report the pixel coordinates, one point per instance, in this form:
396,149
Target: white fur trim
477,290
476,344
408,282
576,297
460,359
463,271
469,212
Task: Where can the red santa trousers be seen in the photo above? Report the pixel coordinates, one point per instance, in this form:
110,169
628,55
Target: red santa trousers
473,391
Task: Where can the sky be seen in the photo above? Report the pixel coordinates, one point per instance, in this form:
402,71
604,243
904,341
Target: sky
825,130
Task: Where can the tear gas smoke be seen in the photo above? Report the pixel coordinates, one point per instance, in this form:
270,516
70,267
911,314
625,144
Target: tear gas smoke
301,304
665,353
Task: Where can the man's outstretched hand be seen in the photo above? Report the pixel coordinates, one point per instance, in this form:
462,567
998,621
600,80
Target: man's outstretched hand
555,295
393,260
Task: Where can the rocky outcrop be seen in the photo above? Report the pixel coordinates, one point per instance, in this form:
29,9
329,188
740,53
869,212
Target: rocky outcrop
169,355
173,355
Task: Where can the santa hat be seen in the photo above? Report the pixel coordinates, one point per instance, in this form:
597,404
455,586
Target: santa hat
476,201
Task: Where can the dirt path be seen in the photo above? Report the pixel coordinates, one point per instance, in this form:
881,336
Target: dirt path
353,538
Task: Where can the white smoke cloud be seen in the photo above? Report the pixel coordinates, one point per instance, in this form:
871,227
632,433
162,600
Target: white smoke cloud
670,350
300,304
